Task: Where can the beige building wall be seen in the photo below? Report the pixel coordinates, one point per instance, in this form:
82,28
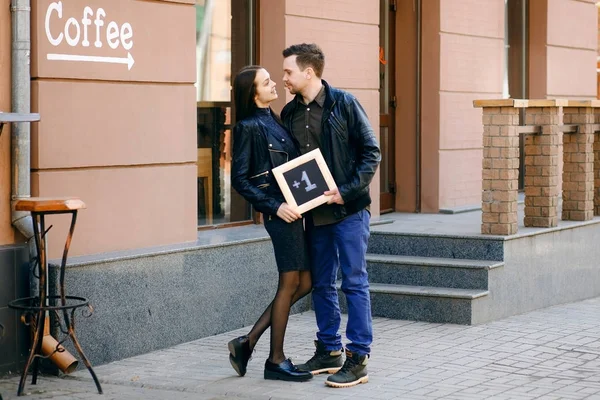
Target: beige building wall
563,59
463,59
563,51
348,33
118,131
6,231
463,42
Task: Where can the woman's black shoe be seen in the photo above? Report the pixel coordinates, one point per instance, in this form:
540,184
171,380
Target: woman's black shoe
285,371
240,354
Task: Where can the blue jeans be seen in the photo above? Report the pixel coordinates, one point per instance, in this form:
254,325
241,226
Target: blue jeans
343,244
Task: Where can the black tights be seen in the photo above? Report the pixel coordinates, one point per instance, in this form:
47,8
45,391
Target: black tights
293,286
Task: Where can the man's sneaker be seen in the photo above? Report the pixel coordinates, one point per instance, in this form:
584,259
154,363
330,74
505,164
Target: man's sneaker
323,361
352,373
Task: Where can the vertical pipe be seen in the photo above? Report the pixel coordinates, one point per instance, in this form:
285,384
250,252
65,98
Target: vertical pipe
20,132
418,100
21,97
21,103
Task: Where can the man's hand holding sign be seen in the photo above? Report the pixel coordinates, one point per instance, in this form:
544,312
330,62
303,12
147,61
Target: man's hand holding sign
335,196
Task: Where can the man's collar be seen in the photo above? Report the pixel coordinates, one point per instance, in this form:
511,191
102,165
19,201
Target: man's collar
319,99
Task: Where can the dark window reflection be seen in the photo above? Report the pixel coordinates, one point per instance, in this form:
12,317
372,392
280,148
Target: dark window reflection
223,44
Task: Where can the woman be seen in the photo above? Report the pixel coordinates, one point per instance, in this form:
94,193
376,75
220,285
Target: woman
260,143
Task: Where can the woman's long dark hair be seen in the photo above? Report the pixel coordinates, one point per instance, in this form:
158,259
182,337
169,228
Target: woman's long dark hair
244,91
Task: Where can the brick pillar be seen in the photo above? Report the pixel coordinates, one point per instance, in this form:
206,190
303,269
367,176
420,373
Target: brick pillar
578,167
541,163
500,167
597,165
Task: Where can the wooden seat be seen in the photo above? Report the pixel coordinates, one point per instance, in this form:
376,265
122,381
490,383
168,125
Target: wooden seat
49,204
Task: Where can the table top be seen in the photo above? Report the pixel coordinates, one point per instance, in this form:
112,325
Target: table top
19,117
49,204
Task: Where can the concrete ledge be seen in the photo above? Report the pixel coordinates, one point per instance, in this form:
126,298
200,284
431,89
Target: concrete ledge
418,308
427,291
437,245
519,103
583,103
433,261
542,269
475,207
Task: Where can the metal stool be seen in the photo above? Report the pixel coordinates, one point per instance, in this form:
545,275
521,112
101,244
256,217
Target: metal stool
35,308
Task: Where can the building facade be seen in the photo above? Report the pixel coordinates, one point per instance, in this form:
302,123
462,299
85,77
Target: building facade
135,105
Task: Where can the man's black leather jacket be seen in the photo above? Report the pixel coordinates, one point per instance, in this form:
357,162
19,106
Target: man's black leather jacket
348,145
256,151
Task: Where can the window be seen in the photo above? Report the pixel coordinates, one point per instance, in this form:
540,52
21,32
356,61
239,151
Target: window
224,44
515,43
516,67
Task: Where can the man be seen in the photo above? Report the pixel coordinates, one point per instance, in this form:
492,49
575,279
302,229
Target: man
321,116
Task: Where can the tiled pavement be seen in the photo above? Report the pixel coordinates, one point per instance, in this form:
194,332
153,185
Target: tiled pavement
548,354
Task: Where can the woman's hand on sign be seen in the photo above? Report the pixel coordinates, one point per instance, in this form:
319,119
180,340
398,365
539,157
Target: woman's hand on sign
287,213
336,197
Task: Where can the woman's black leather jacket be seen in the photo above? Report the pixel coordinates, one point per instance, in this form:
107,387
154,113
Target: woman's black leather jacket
256,151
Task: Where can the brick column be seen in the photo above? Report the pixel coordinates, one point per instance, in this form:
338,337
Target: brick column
541,163
500,166
578,167
597,164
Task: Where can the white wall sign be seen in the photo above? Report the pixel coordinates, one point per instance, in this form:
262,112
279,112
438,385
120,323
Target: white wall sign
80,33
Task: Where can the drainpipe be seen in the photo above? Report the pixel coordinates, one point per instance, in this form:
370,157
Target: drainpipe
21,157
21,103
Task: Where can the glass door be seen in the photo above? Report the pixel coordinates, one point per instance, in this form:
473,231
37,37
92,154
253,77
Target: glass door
225,32
388,103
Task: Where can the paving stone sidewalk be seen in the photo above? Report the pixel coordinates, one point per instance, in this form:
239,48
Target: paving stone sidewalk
548,354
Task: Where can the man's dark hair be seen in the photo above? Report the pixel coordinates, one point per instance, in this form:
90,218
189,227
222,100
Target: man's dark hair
307,55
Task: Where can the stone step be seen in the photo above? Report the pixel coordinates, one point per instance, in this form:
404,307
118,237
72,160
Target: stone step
429,271
437,245
420,303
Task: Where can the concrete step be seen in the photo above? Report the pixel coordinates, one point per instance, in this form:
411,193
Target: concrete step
420,303
429,271
437,245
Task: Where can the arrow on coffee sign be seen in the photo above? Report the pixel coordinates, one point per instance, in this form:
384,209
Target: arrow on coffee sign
111,60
